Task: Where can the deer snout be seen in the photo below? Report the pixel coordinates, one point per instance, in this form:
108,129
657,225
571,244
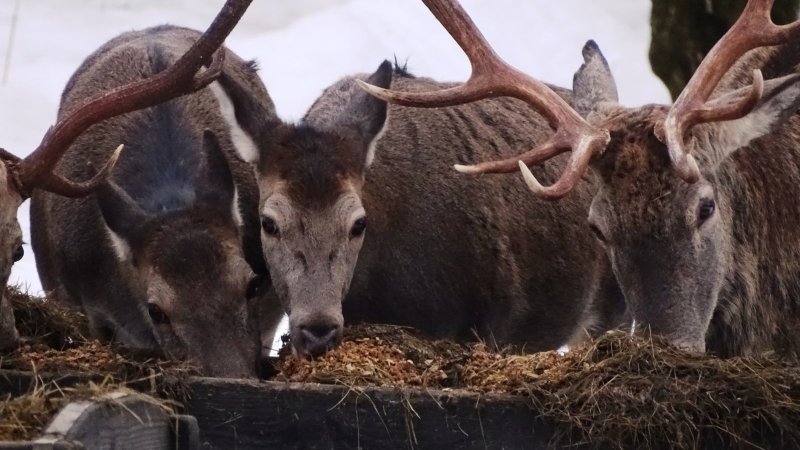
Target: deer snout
317,337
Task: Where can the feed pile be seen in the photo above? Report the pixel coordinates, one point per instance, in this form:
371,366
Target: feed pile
617,391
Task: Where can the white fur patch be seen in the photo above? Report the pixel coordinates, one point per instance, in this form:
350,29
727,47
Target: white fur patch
735,134
237,215
371,148
242,142
121,247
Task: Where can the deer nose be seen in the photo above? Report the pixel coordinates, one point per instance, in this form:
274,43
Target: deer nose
316,339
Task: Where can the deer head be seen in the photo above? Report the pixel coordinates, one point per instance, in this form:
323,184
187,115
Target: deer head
313,222
191,266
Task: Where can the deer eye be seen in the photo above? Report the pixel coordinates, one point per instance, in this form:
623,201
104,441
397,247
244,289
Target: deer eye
705,210
269,226
358,227
19,253
597,233
157,315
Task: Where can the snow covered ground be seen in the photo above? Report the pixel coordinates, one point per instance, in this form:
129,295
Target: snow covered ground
304,45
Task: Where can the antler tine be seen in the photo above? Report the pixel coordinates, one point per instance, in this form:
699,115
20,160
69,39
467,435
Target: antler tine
181,78
493,77
753,29
74,189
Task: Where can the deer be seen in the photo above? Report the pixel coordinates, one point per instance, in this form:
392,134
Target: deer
439,254
164,257
696,204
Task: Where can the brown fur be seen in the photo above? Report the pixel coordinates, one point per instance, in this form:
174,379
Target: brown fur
449,254
173,193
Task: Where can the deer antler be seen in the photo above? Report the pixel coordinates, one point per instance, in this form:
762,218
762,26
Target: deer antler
753,29
182,78
493,77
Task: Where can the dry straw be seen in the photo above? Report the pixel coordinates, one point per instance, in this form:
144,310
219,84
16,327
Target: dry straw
617,391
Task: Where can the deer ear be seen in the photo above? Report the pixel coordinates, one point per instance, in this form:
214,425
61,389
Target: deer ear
248,116
123,216
218,188
779,102
593,83
371,111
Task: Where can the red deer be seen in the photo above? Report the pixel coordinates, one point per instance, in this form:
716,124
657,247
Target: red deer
362,222
159,256
696,205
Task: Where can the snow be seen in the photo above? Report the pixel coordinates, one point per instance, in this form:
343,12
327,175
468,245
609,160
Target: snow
304,45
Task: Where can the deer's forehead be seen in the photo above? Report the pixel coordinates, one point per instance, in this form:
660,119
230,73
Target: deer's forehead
195,248
638,180
287,198
347,203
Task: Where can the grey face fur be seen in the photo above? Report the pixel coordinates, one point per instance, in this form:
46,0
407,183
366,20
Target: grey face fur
314,252
10,252
688,256
313,221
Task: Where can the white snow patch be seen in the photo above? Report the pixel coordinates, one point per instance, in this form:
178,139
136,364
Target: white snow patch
305,45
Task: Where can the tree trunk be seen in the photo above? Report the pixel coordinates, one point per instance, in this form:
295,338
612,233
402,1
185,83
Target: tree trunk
683,31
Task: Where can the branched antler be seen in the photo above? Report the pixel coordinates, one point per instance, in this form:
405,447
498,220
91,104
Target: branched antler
183,77
753,29
493,77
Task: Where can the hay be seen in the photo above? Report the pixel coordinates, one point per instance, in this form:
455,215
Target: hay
55,344
636,392
25,417
43,321
617,391
380,355
90,358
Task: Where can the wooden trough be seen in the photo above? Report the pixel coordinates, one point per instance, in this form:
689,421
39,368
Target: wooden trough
250,414
246,414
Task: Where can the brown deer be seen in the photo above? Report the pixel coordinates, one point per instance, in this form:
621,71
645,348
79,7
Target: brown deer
166,254
447,256
19,178
697,205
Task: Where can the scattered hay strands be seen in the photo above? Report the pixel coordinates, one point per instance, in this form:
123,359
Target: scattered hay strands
47,322
25,417
617,391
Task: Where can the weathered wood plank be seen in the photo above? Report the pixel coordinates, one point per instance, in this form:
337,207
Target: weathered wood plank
120,420
248,414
